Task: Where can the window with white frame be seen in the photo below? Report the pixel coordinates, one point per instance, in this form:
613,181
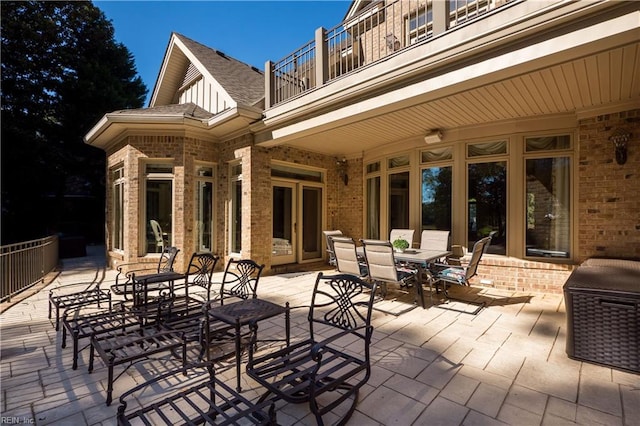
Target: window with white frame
204,193
117,218
236,208
158,199
548,196
419,24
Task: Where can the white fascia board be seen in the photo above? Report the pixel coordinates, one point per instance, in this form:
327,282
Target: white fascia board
115,119
250,113
163,69
98,128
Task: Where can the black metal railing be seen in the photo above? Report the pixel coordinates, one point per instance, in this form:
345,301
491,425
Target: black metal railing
375,33
25,264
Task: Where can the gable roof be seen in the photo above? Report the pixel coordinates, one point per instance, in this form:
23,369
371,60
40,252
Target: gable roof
185,57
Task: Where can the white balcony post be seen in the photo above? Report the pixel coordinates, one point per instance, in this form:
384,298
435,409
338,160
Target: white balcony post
440,16
322,64
269,84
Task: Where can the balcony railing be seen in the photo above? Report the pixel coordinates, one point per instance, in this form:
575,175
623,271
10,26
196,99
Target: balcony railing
382,29
23,265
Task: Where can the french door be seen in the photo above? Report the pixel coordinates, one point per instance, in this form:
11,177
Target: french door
297,222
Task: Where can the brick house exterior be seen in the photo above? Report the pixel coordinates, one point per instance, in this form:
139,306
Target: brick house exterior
209,110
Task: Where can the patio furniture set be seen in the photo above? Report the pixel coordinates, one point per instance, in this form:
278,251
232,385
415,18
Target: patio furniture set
434,263
159,314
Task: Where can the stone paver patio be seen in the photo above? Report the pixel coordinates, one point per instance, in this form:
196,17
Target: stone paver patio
506,365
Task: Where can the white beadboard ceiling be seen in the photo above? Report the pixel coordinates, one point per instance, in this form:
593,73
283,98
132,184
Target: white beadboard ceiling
590,82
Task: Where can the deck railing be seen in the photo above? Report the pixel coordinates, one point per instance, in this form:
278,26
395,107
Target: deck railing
25,264
375,33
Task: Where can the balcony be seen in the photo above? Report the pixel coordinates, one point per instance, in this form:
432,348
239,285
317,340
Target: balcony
371,35
394,70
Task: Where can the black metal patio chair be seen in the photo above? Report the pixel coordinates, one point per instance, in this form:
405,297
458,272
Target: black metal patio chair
127,272
444,275
331,364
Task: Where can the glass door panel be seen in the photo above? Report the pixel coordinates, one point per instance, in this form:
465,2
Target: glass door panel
204,221
283,223
311,222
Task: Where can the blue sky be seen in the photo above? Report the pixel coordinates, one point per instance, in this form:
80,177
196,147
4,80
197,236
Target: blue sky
250,31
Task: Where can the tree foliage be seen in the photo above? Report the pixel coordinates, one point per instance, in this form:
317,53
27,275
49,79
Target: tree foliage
62,70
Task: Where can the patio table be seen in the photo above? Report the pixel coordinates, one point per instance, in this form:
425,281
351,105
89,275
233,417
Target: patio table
242,313
420,258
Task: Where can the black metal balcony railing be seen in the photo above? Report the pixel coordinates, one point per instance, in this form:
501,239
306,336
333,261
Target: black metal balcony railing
380,30
25,264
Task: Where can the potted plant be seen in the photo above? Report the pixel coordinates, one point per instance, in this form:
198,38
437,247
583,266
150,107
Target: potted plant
400,244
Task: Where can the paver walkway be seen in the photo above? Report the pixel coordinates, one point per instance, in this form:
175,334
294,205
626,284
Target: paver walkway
506,365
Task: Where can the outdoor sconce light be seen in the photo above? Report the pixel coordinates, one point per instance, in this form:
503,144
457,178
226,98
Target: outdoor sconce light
620,137
342,170
433,136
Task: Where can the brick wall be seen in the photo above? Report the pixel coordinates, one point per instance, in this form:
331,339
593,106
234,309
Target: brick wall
607,203
609,193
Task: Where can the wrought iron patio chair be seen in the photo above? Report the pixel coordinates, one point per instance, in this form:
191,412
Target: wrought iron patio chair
347,259
200,398
445,274
183,311
330,251
240,282
332,363
127,271
382,268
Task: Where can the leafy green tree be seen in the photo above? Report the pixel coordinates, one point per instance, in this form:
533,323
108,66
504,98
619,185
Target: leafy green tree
62,70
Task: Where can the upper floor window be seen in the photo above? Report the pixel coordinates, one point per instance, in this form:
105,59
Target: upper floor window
419,24
462,10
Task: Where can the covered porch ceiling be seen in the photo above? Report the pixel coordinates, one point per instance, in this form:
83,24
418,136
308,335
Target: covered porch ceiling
607,80
576,70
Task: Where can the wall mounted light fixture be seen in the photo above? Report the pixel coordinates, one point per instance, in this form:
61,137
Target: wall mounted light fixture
433,136
620,137
341,166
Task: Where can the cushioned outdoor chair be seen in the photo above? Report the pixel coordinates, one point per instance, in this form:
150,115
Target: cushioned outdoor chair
383,269
434,240
326,369
445,274
330,252
347,259
405,234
